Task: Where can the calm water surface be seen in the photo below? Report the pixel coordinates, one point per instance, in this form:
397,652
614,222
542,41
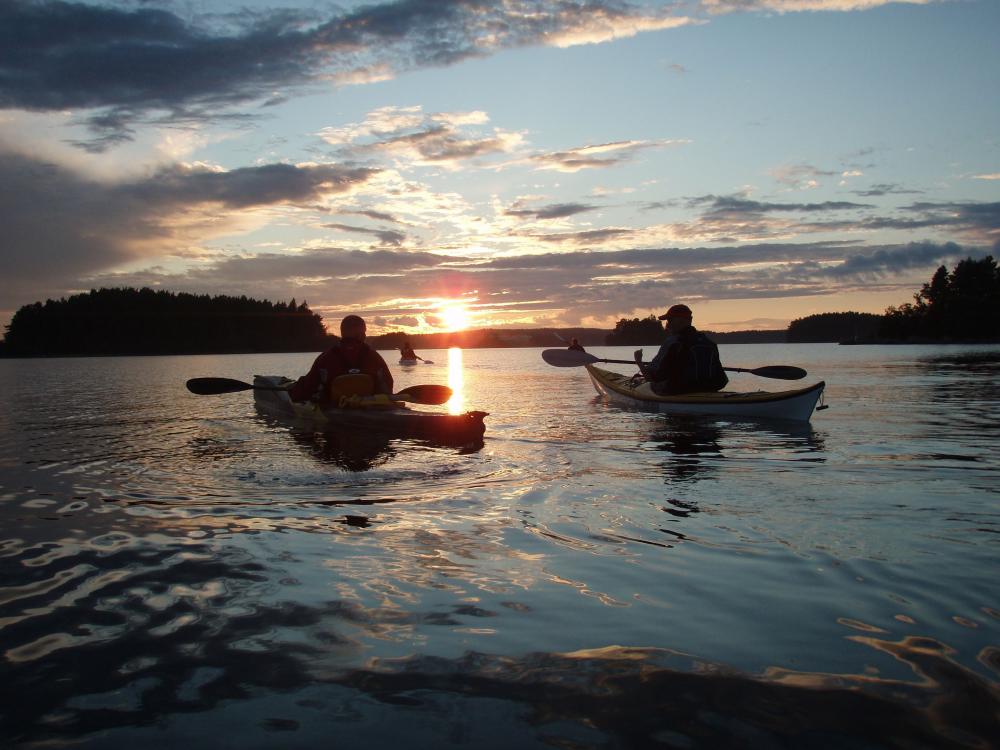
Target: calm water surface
181,570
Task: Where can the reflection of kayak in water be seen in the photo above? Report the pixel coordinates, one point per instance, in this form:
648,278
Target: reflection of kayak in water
796,404
372,414
405,361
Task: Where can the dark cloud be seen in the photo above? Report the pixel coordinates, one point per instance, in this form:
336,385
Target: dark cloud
893,260
59,226
731,204
385,236
377,216
123,63
247,186
973,221
585,237
886,188
552,211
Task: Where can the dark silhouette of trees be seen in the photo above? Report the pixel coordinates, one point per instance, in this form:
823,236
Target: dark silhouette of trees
835,326
636,332
961,305
144,321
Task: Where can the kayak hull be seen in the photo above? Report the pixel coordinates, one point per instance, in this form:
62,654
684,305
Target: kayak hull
794,405
402,421
407,361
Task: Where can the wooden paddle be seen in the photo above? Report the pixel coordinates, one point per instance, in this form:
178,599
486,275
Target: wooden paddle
570,358
418,394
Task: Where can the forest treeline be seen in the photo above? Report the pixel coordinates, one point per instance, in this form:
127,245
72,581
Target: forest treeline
958,305
649,330
147,321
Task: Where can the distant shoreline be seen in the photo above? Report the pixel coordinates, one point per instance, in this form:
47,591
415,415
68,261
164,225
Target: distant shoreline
469,348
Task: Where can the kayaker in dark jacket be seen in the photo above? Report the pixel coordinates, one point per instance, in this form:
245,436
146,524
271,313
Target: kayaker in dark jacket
406,351
350,355
576,346
688,361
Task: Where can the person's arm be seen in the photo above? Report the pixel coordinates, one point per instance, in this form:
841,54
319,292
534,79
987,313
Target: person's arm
306,387
643,367
383,377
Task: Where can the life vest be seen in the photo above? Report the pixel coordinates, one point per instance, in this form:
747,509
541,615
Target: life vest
692,364
353,384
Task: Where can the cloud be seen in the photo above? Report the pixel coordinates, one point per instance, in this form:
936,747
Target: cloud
974,222
596,156
124,65
799,176
60,226
385,236
894,260
886,188
407,134
733,204
552,211
585,237
791,6
991,176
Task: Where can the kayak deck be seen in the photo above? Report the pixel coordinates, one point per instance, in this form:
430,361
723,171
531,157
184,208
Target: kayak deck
621,389
400,421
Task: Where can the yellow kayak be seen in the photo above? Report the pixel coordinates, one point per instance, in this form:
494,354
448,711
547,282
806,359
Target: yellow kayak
374,414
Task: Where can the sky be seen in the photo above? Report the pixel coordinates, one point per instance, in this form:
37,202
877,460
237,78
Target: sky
436,163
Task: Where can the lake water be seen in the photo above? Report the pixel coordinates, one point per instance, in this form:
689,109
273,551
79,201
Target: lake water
179,570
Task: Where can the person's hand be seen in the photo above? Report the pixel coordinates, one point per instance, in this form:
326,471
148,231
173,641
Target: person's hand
638,355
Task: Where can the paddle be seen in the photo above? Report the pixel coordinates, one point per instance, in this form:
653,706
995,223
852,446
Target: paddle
570,358
418,394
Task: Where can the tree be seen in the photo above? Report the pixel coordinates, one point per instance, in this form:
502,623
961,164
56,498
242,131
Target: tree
962,305
637,332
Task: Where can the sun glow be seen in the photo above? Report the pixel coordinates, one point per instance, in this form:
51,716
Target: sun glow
455,315
455,381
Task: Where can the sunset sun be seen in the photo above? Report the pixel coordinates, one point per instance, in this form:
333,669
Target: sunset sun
455,316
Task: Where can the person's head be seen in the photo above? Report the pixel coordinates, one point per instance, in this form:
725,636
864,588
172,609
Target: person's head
353,327
576,342
678,318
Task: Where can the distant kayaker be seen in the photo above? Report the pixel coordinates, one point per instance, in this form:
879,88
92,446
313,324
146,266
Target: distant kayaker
406,351
574,345
688,361
351,356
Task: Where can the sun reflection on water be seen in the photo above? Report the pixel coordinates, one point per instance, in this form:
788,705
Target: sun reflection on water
456,404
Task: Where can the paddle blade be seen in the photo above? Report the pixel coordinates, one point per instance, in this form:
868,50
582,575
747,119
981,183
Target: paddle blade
425,394
568,358
780,372
215,386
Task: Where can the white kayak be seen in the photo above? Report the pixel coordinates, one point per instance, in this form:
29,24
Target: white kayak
795,404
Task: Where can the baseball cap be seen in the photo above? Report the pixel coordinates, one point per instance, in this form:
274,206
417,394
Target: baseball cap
676,311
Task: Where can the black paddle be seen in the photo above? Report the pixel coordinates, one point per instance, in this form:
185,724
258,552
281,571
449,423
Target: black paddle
419,394
571,358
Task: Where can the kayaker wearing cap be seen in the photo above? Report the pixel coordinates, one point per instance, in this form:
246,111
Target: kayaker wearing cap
349,355
688,361
406,351
576,346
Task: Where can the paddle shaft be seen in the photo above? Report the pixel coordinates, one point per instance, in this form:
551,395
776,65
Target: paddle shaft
424,394
568,358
